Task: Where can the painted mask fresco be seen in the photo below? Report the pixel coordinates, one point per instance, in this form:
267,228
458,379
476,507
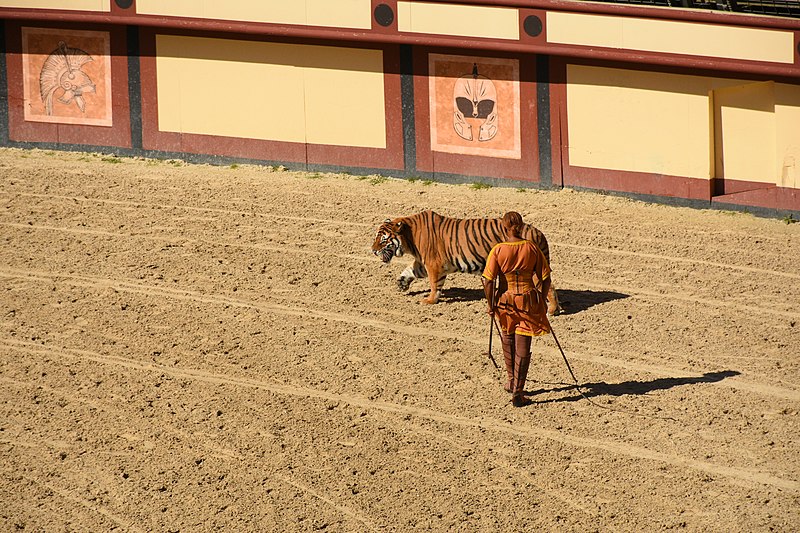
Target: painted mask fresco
475,97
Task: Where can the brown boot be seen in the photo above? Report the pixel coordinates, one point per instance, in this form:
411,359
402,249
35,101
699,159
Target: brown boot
508,356
522,350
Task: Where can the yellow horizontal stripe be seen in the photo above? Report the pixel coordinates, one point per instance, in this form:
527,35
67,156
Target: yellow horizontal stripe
670,37
68,5
458,20
353,14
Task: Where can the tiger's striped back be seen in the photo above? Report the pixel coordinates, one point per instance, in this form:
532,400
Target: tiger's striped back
463,242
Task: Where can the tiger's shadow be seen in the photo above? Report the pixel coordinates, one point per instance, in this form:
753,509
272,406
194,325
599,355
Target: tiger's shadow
571,301
453,294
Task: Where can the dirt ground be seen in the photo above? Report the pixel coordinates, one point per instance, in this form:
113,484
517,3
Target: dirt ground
192,348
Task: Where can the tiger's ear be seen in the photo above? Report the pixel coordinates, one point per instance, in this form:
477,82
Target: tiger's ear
387,220
399,225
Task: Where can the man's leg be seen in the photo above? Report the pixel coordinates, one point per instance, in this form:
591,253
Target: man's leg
508,354
522,360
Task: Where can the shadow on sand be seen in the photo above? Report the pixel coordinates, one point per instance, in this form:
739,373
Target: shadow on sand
452,294
458,294
593,390
576,301
571,301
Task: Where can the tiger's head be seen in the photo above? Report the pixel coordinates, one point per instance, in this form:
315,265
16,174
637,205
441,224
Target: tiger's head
389,240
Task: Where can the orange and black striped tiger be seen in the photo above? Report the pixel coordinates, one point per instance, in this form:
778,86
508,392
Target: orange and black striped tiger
442,245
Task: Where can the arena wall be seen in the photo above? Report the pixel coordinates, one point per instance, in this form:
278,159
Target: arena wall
665,104
740,131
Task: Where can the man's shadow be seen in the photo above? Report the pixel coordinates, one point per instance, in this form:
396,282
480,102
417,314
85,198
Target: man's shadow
576,301
592,390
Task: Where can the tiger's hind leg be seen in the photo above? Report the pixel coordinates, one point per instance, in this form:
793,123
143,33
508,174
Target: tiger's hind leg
553,305
413,271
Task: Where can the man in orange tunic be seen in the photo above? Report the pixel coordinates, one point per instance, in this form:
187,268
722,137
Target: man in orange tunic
519,303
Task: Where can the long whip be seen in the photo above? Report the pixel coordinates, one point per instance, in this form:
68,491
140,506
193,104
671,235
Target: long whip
491,318
491,356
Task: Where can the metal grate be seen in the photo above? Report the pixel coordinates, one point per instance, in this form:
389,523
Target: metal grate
781,8
662,3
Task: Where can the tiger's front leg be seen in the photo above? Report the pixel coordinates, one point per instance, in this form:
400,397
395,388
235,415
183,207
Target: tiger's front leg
412,272
436,276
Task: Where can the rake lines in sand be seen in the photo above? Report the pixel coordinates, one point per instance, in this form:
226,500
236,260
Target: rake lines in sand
750,476
216,451
675,259
73,498
239,212
626,361
750,310
633,291
191,240
159,292
179,207
344,509
571,500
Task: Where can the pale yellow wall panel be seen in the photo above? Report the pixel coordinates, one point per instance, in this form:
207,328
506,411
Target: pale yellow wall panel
749,151
404,16
638,121
270,91
353,14
230,88
69,5
459,20
747,116
169,92
664,36
345,98
787,126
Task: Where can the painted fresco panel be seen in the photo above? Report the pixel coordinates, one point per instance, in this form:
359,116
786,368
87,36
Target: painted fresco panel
474,105
67,76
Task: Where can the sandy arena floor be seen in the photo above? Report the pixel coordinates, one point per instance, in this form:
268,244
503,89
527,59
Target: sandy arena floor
191,348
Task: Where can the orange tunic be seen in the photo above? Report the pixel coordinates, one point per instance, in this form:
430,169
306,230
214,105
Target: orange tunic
522,267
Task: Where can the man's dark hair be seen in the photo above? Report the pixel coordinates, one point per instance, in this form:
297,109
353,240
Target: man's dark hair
513,221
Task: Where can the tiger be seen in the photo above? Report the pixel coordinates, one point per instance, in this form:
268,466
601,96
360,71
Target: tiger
442,245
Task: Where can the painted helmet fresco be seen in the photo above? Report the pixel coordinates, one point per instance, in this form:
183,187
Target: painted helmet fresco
62,70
